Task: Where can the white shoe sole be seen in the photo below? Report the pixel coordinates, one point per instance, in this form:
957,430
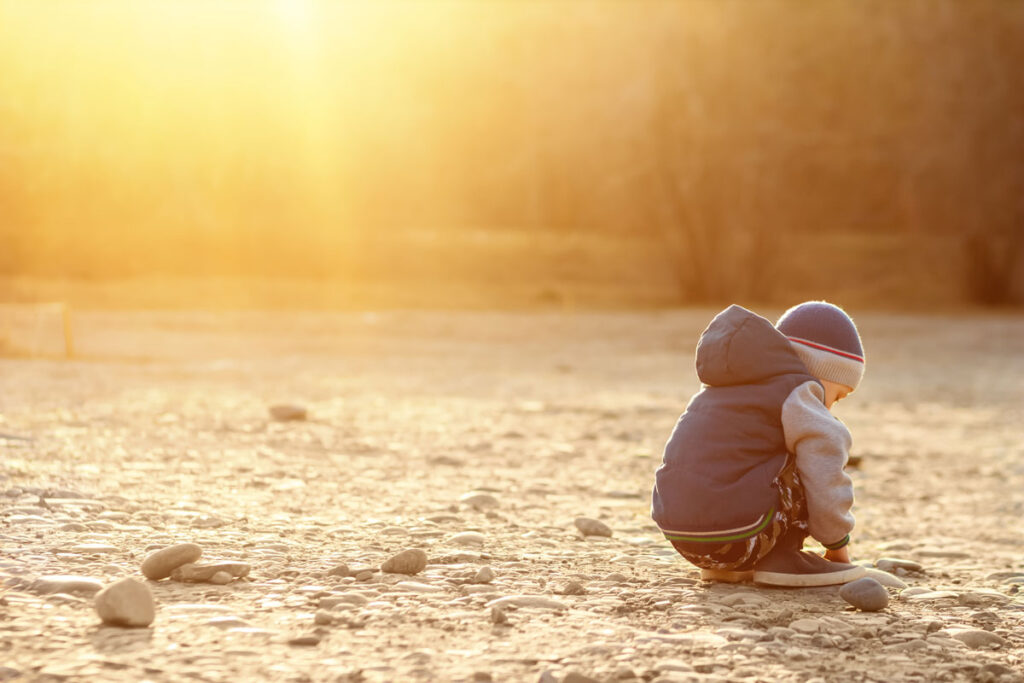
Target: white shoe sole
808,580
726,576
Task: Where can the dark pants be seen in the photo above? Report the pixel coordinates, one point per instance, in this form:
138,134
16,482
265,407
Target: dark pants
790,518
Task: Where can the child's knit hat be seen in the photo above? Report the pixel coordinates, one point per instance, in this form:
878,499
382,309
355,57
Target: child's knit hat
826,340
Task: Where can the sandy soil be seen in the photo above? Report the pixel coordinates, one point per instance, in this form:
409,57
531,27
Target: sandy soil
160,434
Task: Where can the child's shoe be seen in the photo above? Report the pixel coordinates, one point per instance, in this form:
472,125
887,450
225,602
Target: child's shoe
788,566
726,575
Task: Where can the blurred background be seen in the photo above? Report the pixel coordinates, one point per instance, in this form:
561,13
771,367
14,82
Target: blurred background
512,153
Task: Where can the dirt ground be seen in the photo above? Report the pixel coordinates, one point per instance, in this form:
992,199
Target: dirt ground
159,433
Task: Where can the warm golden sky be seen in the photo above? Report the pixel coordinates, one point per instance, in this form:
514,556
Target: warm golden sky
212,136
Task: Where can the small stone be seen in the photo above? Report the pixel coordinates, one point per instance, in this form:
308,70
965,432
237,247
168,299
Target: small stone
305,641
468,538
71,526
409,562
227,622
484,575
342,569
624,672
356,599
127,602
286,412
943,554
676,665
482,677
160,563
417,587
93,548
478,500
572,588
931,595
322,618
364,575
749,599
528,601
64,583
221,579
577,677
592,527
8,673
982,596
865,594
997,669
616,577
885,578
498,615
888,564
806,625
977,638
202,573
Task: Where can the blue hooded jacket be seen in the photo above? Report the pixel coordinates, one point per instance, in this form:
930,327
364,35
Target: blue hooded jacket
715,481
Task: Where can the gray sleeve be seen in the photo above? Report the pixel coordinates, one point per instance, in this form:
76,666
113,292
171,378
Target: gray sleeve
821,444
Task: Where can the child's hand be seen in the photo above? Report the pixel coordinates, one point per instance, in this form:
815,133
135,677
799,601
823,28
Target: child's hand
839,555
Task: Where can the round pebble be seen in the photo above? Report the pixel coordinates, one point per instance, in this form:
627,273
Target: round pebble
286,412
126,603
203,573
484,575
409,562
592,527
160,563
572,588
806,625
889,564
468,538
227,622
885,578
221,578
479,501
528,601
977,638
305,641
865,594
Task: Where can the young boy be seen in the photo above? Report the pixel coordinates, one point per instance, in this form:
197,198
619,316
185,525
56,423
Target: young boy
755,463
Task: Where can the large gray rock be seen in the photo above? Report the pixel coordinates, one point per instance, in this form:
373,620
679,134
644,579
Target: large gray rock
409,562
865,594
160,563
126,603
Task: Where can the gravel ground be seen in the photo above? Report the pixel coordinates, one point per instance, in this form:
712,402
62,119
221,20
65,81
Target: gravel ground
480,438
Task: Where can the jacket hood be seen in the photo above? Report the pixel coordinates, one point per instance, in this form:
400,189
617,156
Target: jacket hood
741,347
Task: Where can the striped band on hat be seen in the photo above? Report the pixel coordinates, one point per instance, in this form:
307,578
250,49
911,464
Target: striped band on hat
823,347
825,362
